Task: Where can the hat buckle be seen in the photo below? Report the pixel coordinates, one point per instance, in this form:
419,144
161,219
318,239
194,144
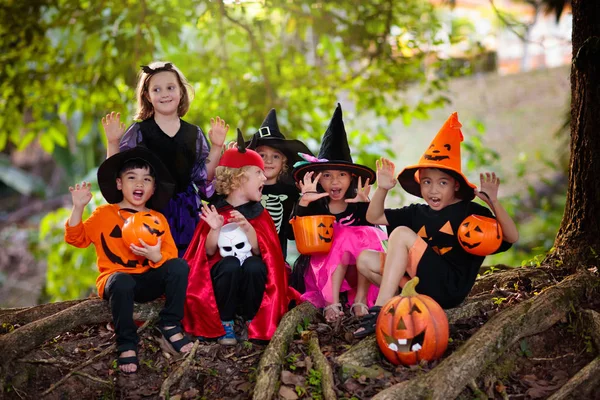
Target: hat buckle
260,131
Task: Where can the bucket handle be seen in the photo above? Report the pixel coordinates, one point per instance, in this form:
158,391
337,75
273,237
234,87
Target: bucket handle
495,215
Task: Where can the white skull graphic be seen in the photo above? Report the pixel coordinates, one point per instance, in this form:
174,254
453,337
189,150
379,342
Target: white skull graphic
234,242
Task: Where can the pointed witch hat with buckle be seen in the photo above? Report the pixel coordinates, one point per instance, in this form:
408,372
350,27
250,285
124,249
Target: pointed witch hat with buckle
443,153
334,153
269,135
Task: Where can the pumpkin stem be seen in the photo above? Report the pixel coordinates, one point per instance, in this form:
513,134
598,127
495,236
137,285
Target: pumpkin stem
409,288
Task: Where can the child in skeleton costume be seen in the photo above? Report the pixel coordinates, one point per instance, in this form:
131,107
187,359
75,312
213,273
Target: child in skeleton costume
423,237
333,185
279,193
236,263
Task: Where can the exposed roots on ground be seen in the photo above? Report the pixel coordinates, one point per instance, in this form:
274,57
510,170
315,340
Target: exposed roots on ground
179,372
20,341
22,316
322,365
269,367
535,315
366,352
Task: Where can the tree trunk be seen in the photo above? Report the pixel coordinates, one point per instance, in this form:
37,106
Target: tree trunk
578,239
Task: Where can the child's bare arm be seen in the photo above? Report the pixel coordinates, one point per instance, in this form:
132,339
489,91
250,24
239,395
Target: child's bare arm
216,135
81,195
385,181
114,130
215,221
489,185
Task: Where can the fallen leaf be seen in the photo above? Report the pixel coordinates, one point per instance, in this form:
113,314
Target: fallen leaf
309,363
191,393
287,393
289,378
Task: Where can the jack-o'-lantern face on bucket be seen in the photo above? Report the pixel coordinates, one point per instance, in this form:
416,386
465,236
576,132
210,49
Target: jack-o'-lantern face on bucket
145,225
479,235
325,231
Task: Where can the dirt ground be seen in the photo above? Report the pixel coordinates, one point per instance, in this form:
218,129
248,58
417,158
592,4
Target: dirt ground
533,369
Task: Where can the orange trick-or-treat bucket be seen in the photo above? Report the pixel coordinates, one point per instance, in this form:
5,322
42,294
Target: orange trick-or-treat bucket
313,233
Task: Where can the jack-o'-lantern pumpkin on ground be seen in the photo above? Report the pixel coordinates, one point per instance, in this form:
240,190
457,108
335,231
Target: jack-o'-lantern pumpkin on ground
145,225
313,233
479,235
412,327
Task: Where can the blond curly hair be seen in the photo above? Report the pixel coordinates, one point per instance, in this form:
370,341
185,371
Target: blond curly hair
229,179
144,107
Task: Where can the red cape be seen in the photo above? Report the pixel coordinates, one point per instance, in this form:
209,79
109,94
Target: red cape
201,315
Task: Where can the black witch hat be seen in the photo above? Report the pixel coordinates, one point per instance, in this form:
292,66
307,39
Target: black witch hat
108,174
269,135
334,153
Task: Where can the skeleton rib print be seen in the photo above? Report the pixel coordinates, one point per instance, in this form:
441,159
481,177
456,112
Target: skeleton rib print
274,205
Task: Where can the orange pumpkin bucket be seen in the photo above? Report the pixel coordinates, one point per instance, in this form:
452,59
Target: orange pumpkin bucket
313,233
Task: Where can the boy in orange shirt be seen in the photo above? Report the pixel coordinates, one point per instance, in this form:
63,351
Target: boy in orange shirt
132,181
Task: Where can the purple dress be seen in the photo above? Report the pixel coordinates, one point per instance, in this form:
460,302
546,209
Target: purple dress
185,156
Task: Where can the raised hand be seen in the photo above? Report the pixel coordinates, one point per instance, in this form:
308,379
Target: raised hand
212,217
113,127
239,219
231,145
218,131
308,188
386,178
152,253
489,185
362,193
81,194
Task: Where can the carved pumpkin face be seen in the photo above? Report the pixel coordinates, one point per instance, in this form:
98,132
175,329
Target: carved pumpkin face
325,231
313,233
412,327
145,225
438,152
479,235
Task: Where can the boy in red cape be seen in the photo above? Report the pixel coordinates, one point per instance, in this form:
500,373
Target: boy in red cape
231,272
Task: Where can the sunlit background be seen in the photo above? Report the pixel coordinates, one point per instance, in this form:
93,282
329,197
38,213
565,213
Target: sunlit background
399,68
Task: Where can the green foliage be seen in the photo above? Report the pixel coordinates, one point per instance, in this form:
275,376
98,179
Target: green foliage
524,350
71,272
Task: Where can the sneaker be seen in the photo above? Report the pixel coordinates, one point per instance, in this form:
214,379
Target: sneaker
228,339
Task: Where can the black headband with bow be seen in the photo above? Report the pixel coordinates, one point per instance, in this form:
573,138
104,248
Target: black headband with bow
151,71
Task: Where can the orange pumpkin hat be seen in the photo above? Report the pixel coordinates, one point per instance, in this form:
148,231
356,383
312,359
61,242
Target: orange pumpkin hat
443,153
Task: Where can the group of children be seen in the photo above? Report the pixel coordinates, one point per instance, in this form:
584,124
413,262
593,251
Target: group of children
226,210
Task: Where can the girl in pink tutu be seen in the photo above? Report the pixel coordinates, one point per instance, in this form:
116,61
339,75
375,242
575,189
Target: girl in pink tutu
333,185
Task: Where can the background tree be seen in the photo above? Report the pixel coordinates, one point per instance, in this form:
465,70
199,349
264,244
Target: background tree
578,239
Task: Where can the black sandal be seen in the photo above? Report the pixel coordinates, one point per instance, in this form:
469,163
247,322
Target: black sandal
128,360
367,323
167,334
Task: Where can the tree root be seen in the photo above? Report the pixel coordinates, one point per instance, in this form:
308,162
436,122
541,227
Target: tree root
269,367
366,352
98,356
327,382
22,316
525,277
176,375
535,315
583,385
22,340
586,382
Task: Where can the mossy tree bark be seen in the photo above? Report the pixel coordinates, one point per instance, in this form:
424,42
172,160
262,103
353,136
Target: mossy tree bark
578,239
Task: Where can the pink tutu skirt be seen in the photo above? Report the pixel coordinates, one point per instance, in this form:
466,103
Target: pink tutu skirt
348,243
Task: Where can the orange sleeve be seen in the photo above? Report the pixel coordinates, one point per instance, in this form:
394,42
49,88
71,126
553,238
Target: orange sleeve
82,234
168,248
